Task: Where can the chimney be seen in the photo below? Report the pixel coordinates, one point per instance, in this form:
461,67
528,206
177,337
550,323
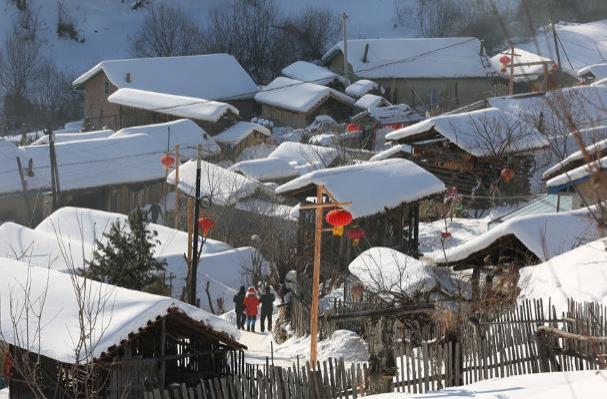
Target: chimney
366,52
128,77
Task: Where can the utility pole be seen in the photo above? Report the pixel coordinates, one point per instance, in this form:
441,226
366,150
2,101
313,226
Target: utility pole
194,265
55,189
319,206
344,18
558,53
177,208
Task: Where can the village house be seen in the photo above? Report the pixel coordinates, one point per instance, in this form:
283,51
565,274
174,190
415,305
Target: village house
241,135
212,77
288,161
576,178
126,342
385,197
116,173
530,72
312,73
434,74
290,102
477,152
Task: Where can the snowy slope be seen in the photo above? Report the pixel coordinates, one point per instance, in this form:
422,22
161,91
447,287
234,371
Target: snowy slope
107,24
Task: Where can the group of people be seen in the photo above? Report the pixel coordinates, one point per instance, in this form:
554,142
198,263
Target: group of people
247,305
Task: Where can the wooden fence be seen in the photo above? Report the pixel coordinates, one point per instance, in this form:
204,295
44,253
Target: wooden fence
332,379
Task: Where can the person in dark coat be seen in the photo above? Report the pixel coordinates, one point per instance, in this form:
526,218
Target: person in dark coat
267,307
239,307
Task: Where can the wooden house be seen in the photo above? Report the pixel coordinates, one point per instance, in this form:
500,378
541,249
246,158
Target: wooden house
574,176
312,73
212,77
288,161
434,73
127,342
116,173
482,153
289,102
241,135
385,199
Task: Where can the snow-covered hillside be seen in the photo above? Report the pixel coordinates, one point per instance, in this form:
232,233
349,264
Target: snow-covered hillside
107,24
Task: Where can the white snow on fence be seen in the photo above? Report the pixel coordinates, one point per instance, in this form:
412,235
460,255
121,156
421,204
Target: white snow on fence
64,137
371,186
180,106
119,312
481,133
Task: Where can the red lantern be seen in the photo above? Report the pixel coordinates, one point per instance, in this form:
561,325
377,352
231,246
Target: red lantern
554,67
206,225
507,174
167,161
505,60
353,128
338,218
445,235
356,234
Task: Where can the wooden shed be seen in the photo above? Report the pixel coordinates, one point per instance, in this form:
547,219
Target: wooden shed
290,102
241,135
385,199
127,341
470,150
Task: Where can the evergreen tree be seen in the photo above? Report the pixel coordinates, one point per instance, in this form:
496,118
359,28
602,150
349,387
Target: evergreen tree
126,259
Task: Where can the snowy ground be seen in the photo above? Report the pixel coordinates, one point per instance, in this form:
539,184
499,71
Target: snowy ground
342,344
4,393
461,231
568,385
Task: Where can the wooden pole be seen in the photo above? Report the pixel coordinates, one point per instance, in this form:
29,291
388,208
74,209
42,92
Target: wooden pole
24,186
558,53
344,18
190,216
177,208
194,268
511,81
316,276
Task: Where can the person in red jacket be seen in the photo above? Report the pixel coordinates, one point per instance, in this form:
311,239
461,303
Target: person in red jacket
251,302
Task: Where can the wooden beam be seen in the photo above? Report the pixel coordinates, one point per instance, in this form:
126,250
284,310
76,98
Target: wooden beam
568,335
401,310
327,205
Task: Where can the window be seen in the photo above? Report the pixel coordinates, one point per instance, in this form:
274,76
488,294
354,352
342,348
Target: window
106,86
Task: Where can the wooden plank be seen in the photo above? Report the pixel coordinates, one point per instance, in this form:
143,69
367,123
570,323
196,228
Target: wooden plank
426,366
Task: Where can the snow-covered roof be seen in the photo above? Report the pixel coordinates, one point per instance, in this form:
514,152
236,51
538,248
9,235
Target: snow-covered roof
600,82
577,156
579,274
211,76
391,152
224,186
121,312
450,57
584,44
288,160
371,187
481,133
297,96
371,101
311,73
74,230
361,87
545,235
240,131
584,104
63,137
385,270
118,159
400,113
180,106
575,175
598,71
521,73
184,132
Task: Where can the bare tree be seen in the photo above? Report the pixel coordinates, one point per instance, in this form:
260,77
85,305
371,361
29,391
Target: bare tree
167,31
312,31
